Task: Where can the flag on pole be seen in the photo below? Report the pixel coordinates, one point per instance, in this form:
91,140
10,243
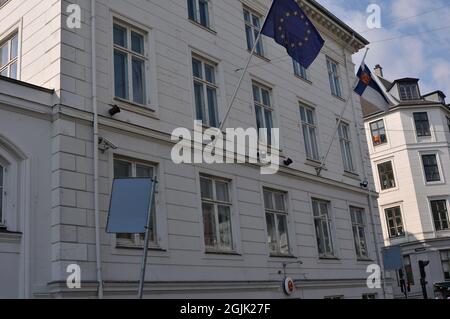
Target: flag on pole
289,26
368,88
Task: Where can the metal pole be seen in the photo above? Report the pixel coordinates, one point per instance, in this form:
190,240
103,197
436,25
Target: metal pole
147,235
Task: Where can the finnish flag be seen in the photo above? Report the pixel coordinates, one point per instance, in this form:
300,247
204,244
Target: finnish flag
368,88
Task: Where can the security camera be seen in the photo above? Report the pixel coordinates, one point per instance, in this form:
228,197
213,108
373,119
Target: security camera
104,144
288,162
364,184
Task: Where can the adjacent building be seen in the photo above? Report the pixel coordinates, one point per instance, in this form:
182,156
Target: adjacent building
218,230
409,144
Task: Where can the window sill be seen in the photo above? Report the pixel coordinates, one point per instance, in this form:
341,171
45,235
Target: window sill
352,175
435,183
260,56
303,79
221,252
203,27
135,108
364,260
314,163
138,247
325,258
338,97
282,256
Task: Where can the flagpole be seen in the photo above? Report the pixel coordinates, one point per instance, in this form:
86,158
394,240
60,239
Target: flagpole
341,116
244,71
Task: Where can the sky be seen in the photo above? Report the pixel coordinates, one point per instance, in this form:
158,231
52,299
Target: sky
408,44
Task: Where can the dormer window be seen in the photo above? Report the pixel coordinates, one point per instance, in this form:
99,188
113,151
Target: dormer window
409,91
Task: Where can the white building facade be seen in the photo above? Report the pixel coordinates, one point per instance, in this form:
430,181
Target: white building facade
219,231
409,149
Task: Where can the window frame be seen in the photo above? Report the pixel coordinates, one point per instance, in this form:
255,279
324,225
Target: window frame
137,240
345,141
396,226
255,30
437,165
356,235
328,219
6,39
381,175
205,84
378,129
408,92
263,108
276,215
441,220
308,126
334,76
443,261
196,19
300,71
216,203
422,133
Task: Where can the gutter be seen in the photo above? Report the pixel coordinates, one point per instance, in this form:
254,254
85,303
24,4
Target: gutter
96,172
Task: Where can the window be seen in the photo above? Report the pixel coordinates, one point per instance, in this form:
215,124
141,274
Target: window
440,214
125,169
395,222
346,146
129,64
335,80
369,296
263,109
408,269
277,224
323,226
1,193
9,56
422,124
300,71
252,30
199,12
216,208
378,133
205,92
445,259
448,123
430,165
409,92
386,173
309,128
359,232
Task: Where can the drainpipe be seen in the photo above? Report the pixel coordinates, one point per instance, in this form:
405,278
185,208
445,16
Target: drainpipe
96,189
369,196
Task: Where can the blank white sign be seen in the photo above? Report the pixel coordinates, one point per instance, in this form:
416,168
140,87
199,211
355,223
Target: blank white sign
130,205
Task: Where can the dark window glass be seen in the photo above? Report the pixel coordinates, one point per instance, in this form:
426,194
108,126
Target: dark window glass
422,124
431,168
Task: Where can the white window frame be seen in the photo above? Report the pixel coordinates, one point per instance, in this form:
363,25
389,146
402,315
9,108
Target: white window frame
345,139
196,18
396,226
408,92
307,126
255,30
137,240
276,213
378,129
205,85
393,173
438,164
6,38
430,133
356,235
328,219
263,109
218,247
334,77
300,71
440,199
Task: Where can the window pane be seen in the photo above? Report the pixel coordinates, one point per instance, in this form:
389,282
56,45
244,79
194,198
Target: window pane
122,169
271,236
4,54
197,68
283,234
199,102
14,47
265,97
209,225
279,202
209,73
138,81
225,227
137,43
4,72
192,10
13,71
212,107
121,74
259,118
249,36
204,15
120,36
319,236
222,192
206,188
144,171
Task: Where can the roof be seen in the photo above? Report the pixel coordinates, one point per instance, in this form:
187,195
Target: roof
403,80
435,92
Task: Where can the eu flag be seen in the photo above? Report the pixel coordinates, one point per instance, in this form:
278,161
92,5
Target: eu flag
289,26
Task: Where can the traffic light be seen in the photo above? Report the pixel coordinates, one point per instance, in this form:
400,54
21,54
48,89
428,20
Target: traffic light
423,276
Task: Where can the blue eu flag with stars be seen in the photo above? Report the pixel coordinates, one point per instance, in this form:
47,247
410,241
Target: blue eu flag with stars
289,26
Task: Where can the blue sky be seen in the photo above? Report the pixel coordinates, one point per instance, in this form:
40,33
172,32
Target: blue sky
425,55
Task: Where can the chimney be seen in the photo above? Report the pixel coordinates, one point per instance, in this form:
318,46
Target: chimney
379,71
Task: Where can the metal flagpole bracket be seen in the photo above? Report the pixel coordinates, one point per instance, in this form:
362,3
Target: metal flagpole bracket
146,240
